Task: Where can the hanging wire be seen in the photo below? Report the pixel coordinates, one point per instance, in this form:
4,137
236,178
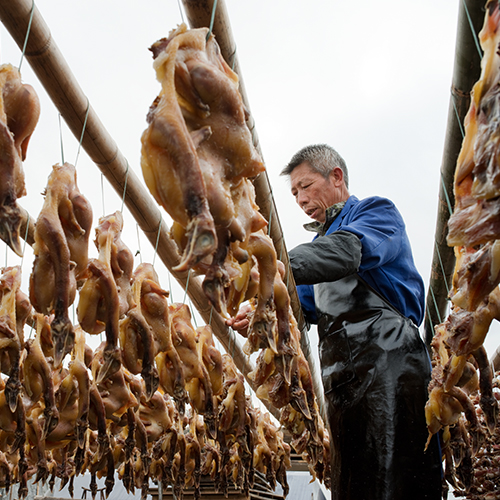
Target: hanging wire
102,195
180,10
186,289
193,315
212,19
61,139
138,242
429,319
474,34
233,57
83,131
448,202
157,240
442,269
27,35
25,238
435,305
125,187
170,294
230,349
31,331
457,115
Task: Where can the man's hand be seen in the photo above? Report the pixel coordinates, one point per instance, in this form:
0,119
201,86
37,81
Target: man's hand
241,321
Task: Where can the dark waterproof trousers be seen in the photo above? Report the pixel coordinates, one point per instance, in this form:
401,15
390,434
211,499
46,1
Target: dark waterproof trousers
375,370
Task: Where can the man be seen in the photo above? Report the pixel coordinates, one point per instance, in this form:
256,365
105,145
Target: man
358,282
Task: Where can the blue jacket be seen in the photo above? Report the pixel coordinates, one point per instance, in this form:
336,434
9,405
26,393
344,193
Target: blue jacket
386,260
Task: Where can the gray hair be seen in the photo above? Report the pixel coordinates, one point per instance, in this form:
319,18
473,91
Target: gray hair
321,158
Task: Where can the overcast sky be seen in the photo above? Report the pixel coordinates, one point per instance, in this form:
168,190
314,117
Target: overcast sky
372,79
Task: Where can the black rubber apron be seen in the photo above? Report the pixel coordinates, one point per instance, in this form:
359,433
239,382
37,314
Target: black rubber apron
375,370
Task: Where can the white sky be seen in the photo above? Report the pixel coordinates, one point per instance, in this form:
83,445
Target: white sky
372,79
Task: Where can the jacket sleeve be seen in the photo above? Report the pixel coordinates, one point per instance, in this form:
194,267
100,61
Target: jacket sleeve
326,258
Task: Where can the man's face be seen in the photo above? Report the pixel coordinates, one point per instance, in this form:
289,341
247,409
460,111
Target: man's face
313,193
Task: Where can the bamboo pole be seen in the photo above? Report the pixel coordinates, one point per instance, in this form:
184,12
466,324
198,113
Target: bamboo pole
58,80
466,72
199,14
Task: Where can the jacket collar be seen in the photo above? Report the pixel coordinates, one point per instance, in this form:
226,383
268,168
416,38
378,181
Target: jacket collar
332,217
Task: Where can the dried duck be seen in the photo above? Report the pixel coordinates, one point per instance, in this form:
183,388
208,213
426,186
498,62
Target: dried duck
461,375
19,113
62,230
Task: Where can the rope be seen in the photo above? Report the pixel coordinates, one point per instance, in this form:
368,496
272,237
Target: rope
83,131
27,35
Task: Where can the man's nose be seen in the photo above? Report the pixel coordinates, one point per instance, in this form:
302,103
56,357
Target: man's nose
301,199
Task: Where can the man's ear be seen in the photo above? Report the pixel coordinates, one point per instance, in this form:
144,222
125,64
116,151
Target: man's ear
337,176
